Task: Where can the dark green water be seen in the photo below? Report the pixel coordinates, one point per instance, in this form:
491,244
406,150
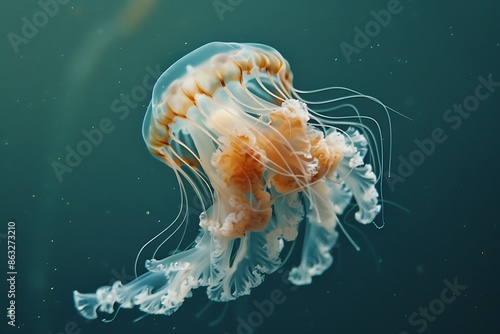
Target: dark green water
83,229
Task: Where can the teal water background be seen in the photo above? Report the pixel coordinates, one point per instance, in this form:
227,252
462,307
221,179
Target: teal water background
83,229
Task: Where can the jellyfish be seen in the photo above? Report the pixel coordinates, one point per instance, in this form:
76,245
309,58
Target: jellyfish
263,161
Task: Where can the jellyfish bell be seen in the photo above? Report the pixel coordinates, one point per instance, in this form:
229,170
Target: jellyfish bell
229,123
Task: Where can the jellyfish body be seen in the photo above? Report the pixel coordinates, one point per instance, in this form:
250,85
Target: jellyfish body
229,123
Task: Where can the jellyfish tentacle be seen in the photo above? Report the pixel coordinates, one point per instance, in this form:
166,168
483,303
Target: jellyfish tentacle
320,236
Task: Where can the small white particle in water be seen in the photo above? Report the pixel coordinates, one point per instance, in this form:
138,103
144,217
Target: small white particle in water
147,212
